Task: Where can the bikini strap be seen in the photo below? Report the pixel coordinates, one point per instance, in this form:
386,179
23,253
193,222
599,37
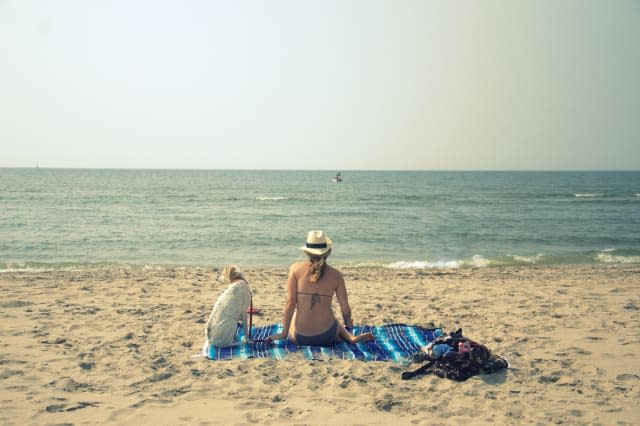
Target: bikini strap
315,294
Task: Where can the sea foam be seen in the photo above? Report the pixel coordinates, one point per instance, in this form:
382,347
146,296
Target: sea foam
271,198
531,260
443,264
476,261
610,258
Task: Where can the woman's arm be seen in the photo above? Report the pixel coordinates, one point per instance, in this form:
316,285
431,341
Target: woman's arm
343,301
289,306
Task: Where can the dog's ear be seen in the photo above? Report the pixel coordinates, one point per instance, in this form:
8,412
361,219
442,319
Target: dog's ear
222,278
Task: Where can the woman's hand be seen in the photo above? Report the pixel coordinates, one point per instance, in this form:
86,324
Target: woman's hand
279,336
348,322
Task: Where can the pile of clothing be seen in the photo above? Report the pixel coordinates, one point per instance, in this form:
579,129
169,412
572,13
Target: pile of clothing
457,358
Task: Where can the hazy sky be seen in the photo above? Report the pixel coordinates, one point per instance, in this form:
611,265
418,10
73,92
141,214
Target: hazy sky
540,84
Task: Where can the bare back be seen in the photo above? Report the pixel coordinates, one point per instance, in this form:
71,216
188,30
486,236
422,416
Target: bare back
314,314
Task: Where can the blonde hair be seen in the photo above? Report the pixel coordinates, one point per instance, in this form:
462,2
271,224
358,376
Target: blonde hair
230,273
318,266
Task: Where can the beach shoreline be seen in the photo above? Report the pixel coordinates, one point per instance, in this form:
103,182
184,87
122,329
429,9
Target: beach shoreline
117,345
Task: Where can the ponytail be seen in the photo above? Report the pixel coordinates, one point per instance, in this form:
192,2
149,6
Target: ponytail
318,266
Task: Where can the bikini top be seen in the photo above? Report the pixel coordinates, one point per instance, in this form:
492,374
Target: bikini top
315,297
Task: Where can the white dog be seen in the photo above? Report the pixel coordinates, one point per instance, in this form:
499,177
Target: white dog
230,307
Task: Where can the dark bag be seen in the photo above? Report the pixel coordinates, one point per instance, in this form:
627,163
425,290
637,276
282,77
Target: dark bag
466,358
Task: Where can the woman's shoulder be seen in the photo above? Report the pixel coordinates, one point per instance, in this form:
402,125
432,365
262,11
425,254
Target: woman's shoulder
333,271
299,266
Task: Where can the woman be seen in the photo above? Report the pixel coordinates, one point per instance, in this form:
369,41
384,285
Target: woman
230,307
308,317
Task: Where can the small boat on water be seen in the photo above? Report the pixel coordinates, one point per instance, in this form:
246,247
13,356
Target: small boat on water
337,178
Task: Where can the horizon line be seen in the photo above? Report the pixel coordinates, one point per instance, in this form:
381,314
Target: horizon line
37,167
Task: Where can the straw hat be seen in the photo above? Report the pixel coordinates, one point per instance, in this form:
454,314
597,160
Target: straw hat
317,243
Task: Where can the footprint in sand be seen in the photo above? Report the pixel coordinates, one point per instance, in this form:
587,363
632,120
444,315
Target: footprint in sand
552,378
67,384
15,304
386,403
580,351
161,376
160,361
631,306
5,374
627,376
167,393
57,408
87,365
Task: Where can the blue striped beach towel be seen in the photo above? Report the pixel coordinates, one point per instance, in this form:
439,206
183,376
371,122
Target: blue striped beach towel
394,342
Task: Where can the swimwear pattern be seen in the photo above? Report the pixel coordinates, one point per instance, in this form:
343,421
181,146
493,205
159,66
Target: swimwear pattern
394,342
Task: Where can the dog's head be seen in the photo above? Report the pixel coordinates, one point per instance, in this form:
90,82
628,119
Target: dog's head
229,274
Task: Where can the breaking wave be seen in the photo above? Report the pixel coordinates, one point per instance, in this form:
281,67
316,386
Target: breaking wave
271,198
606,256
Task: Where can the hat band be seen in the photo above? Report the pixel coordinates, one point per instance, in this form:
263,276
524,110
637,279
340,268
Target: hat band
318,245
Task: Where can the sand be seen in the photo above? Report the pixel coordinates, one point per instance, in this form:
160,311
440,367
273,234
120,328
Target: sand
117,345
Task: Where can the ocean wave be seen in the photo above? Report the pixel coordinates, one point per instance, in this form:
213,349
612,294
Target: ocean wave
531,260
611,258
476,261
363,265
35,270
48,267
443,264
271,198
606,256
39,267
588,195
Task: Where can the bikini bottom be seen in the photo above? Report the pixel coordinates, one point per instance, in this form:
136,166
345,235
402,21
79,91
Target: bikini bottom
323,339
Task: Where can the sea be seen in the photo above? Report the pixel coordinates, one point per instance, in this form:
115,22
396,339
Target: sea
94,218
